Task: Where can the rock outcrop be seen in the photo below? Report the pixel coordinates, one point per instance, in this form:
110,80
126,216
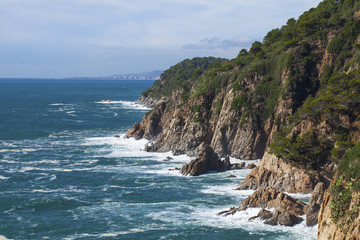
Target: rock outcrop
286,209
275,173
315,202
297,100
206,161
346,228
272,198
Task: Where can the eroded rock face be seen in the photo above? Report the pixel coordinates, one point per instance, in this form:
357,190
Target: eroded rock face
315,204
207,160
150,125
275,173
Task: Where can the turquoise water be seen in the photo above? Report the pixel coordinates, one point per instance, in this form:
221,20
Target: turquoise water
63,174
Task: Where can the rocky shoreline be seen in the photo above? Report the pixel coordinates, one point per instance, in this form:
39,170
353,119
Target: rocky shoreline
293,103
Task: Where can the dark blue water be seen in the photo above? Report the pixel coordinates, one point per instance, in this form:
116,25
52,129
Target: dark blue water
63,174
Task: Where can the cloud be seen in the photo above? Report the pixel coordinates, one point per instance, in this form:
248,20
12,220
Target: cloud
95,32
218,43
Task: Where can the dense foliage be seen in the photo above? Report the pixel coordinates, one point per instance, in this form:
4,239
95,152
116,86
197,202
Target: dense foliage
338,97
176,76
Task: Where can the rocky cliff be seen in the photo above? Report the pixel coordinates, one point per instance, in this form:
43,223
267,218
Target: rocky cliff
291,100
348,226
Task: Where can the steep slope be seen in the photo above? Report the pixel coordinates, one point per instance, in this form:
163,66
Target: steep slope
292,100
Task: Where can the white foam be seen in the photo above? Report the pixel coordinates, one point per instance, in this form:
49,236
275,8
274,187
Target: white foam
27,169
165,171
130,147
205,216
126,105
107,234
227,190
24,150
3,178
58,190
59,104
306,196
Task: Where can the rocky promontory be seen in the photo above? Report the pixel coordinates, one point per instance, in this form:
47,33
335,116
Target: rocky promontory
291,100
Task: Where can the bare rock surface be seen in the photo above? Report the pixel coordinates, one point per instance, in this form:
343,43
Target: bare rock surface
315,204
275,173
286,208
207,160
339,230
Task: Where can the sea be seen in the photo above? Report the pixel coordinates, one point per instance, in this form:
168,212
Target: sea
64,174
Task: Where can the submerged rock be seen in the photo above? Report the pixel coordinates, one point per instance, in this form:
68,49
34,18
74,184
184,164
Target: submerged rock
168,159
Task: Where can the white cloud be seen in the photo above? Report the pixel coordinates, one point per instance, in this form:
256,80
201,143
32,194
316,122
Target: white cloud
218,43
173,26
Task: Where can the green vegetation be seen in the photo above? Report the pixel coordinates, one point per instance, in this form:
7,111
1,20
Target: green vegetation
341,194
345,184
287,67
177,76
338,95
305,151
239,102
219,105
350,166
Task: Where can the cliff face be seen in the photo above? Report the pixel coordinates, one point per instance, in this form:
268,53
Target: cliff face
348,227
292,100
273,172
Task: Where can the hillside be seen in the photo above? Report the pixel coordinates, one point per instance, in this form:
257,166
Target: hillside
292,100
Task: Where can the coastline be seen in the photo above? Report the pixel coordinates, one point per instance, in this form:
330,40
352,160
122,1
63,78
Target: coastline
232,191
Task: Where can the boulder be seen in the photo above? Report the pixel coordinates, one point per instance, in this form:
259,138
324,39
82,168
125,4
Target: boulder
238,166
284,217
231,176
117,136
207,160
315,204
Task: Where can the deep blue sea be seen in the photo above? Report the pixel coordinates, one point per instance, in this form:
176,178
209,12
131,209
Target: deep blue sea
63,174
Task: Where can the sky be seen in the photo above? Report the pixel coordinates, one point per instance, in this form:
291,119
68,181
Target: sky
92,38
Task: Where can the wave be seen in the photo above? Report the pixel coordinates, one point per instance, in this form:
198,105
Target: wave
122,147
227,190
126,105
60,104
204,216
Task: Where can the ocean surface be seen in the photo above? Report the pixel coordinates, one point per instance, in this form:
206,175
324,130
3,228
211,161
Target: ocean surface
63,174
